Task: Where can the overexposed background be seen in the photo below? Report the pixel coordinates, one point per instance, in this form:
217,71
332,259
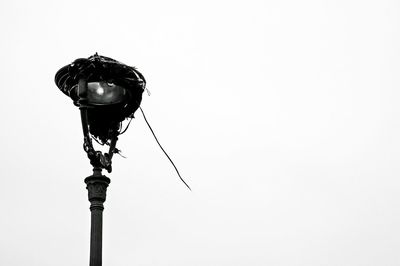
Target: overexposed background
283,116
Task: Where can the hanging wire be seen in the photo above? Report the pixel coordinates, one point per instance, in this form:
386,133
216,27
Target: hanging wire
176,169
126,128
147,90
118,151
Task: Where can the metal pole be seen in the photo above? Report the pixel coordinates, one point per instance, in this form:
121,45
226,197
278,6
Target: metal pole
96,185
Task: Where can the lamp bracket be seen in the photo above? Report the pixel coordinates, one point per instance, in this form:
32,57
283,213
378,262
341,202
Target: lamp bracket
97,158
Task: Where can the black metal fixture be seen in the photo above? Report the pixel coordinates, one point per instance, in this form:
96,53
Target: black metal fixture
107,92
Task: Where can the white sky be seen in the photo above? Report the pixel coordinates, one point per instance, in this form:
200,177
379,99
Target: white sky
283,116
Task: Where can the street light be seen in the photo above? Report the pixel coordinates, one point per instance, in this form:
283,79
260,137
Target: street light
106,92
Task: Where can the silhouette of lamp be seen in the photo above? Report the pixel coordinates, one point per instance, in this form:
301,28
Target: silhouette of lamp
106,92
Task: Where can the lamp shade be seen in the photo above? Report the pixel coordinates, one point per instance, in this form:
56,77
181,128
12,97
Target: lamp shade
109,82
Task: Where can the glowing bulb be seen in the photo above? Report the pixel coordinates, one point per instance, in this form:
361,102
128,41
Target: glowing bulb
100,90
105,93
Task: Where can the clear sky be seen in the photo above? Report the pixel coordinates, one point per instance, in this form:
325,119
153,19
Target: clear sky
283,116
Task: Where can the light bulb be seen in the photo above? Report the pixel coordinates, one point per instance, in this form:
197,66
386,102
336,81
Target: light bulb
104,93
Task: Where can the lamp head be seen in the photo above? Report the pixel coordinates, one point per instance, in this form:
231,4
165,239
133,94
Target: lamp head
109,82
106,91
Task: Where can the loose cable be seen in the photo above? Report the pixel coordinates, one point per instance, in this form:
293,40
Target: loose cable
176,169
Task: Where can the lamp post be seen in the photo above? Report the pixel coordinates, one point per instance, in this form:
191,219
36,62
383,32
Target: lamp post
107,92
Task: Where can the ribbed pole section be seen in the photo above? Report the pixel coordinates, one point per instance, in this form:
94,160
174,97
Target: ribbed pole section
96,185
